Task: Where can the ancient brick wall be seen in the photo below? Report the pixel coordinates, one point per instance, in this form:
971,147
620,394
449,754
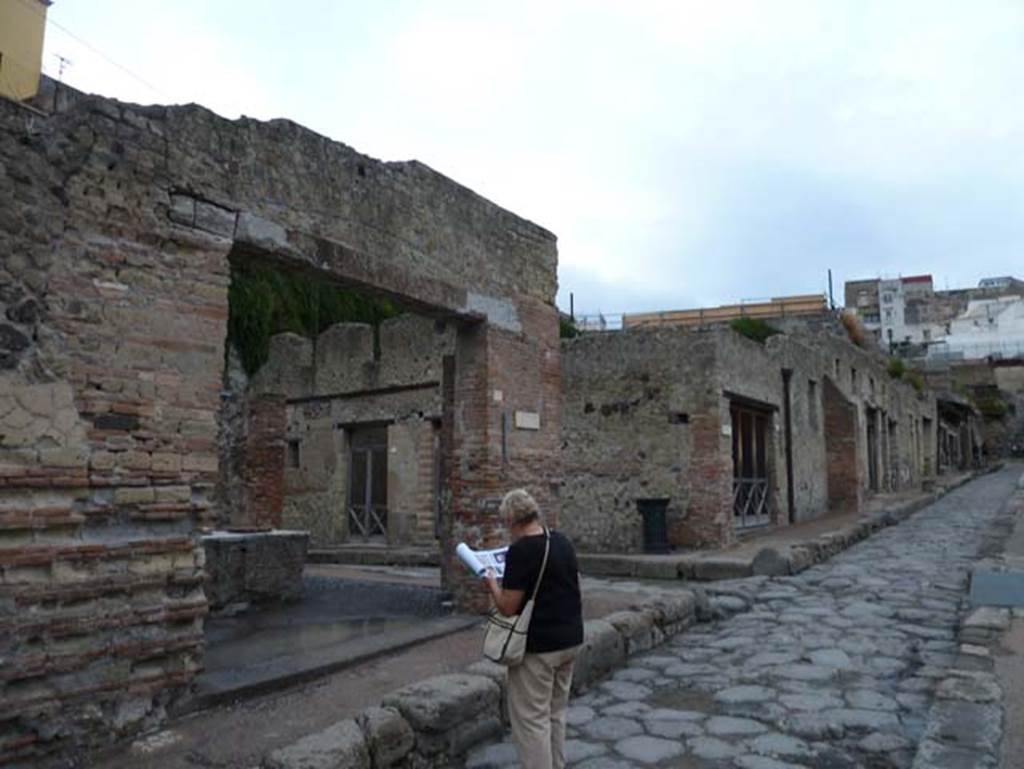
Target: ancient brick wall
345,378
117,228
755,371
515,419
844,488
862,377
624,436
641,419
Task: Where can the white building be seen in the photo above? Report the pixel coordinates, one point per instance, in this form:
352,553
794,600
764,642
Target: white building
893,296
989,327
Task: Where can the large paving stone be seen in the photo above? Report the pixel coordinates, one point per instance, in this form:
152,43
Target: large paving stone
810,701
721,567
712,748
688,670
884,742
626,690
674,730
763,762
831,658
805,672
939,755
577,715
436,704
612,728
605,762
815,726
649,750
579,750
742,694
772,562
671,714
767,659
629,709
776,744
638,628
726,605
342,744
728,725
635,674
856,718
988,618
604,650
673,608
966,725
870,700
495,756
389,738
972,687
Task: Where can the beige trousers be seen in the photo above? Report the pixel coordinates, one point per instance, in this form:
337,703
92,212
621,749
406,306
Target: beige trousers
538,693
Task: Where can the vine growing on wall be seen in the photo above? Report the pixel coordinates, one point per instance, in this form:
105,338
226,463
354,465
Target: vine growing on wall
263,301
753,328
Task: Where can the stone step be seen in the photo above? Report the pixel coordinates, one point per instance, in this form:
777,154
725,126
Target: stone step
376,555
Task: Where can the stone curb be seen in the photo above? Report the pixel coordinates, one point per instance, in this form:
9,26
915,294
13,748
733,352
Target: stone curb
964,727
771,560
437,721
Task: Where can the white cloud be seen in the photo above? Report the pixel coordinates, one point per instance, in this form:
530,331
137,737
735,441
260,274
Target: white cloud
682,150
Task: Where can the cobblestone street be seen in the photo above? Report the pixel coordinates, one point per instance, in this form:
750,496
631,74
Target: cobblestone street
830,669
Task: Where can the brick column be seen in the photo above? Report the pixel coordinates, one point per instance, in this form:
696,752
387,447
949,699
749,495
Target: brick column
499,373
844,489
263,465
708,520
469,464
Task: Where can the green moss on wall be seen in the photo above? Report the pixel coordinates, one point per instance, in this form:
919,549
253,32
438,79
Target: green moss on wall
263,301
754,328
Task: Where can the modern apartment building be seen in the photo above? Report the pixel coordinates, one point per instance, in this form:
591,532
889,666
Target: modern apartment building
909,315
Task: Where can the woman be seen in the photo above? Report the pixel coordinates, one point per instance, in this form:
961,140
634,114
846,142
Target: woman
538,688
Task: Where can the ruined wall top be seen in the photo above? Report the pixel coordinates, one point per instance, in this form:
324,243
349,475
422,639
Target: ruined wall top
402,222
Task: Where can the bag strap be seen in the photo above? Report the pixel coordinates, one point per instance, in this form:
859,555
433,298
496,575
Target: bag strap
544,563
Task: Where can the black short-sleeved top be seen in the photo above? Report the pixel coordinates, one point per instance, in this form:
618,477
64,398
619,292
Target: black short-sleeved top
557,621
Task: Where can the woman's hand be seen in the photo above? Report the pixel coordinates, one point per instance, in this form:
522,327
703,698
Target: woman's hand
491,582
507,602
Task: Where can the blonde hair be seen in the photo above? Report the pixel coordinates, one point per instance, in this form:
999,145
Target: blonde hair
518,508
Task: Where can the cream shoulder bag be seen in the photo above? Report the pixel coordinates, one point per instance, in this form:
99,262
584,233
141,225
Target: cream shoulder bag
505,639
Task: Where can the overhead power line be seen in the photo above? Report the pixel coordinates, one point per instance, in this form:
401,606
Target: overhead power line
34,7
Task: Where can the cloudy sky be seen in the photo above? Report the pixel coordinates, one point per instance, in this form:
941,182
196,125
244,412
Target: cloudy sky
685,152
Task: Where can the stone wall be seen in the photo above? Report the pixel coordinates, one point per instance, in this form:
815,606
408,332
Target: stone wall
349,376
647,414
639,421
117,228
253,567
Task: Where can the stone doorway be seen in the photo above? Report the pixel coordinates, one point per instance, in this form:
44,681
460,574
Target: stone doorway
871,417
368,484
751,439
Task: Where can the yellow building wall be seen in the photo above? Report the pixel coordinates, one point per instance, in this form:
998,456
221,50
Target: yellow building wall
22,23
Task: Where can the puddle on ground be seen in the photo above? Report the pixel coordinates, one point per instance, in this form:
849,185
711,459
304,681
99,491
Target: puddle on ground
249,644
